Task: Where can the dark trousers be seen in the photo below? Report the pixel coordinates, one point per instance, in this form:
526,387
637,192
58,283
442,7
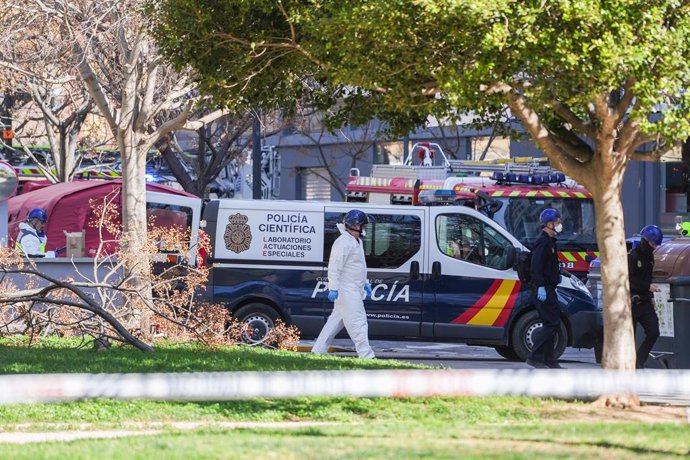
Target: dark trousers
643,313
544,339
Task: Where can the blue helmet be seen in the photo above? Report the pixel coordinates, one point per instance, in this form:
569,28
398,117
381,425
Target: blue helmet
37,213
549,215
653,234
355,218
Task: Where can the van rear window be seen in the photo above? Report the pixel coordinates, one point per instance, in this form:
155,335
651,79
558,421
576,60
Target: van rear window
391,240
169,216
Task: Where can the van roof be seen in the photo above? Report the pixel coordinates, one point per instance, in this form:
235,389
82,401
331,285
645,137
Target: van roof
400,185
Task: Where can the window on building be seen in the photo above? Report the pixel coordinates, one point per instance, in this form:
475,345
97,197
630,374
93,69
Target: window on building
389,153
391,239
313,184
488,148
677,178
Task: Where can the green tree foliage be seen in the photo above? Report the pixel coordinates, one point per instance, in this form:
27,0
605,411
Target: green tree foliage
590,80
392,55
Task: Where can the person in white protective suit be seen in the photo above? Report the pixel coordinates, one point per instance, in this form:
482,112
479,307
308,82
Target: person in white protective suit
347,284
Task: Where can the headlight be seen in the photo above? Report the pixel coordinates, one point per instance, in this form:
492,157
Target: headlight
579,285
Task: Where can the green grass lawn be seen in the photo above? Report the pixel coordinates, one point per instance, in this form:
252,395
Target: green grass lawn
463,427
63,355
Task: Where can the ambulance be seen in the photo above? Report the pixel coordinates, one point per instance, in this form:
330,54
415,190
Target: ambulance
439,273
512,192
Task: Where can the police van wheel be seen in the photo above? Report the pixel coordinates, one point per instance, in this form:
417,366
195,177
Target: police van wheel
523,335
507,352
259,318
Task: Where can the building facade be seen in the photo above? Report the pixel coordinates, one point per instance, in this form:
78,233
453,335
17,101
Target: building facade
317,167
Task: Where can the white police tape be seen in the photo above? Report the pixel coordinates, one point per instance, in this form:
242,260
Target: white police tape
219,386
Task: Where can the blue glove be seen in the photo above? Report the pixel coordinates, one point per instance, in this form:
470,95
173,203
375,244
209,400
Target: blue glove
541,293
332,296
367,289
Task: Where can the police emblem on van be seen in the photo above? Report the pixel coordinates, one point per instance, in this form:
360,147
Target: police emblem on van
238,235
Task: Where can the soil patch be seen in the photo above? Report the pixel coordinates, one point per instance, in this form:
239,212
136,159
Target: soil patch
643,414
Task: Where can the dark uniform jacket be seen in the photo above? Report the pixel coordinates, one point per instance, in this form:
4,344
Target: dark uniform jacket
544,271
640,267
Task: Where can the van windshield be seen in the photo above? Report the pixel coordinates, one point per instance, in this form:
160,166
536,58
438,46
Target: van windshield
520,216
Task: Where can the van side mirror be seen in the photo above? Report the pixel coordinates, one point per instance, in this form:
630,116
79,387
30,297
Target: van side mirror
414,270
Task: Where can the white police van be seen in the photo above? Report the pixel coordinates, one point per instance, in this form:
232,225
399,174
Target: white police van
441,273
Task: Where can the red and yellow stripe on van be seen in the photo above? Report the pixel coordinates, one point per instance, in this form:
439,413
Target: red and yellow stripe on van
494,307
551,192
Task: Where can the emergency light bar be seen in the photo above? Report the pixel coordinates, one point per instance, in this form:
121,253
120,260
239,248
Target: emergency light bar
535,171
556,177
436,196
445,197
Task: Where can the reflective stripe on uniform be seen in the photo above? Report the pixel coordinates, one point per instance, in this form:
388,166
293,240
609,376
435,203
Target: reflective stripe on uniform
18,244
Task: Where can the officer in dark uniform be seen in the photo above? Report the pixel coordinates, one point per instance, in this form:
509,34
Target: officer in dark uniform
640,267
545,277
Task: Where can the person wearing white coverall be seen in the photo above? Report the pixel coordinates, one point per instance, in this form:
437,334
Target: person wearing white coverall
347,283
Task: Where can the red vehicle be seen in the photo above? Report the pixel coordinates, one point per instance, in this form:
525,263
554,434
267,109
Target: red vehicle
69,210
513,193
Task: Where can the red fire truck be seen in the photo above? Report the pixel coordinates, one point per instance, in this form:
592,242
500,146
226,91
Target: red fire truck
512,192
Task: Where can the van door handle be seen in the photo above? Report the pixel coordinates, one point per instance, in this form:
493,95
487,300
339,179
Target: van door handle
414,270
436,271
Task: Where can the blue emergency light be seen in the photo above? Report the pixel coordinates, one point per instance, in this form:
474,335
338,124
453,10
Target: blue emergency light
436,196
534,179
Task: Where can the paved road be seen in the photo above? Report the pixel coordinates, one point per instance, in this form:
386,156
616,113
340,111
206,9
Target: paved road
457,356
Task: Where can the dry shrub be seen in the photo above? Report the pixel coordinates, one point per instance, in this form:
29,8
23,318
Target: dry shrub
205,323
282,337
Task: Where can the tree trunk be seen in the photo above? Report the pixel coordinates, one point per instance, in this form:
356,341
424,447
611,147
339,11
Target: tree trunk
619,341
185,180
134,223
606,186
133,194
66,155
619,336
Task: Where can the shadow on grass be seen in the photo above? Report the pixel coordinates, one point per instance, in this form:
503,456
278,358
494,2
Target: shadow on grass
103,411
56,357
601,444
